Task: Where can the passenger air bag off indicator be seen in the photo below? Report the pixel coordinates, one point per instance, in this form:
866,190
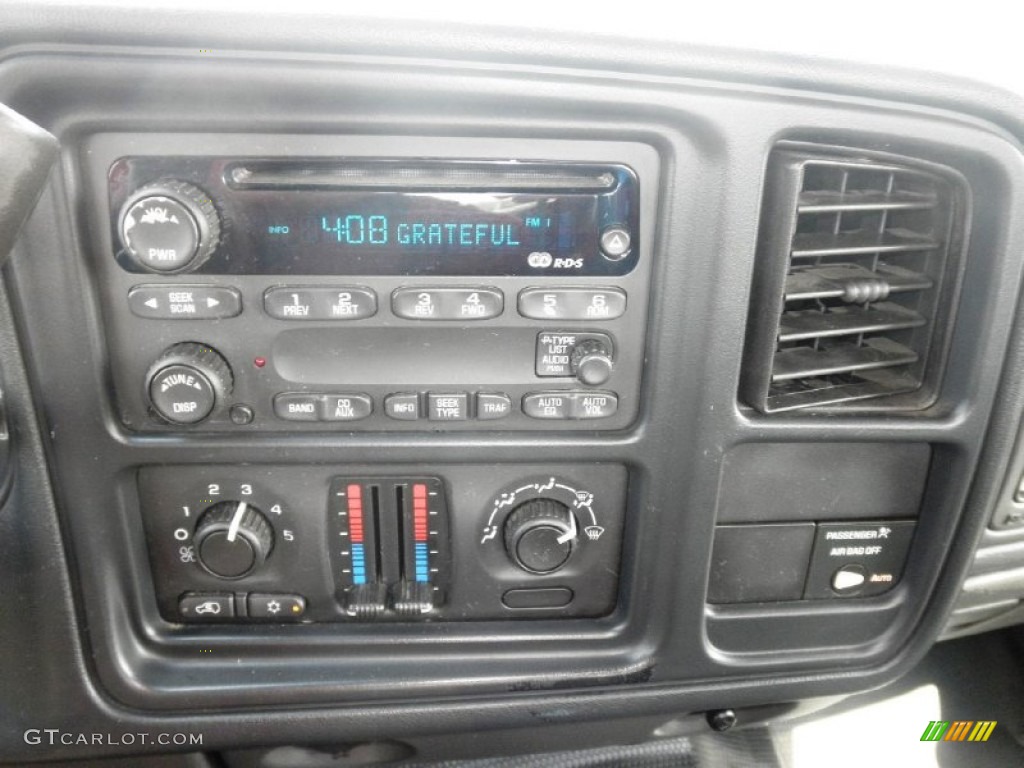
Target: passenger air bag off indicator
858,559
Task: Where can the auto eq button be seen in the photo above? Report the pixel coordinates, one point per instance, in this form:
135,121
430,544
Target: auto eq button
548,405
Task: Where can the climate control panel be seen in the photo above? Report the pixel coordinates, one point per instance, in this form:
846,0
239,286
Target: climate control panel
351,544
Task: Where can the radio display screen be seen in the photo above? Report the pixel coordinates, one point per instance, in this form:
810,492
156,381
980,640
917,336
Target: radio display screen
477,230
388,217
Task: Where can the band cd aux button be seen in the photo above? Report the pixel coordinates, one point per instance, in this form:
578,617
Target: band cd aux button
448,407
572,303
404,407
184,302
347,407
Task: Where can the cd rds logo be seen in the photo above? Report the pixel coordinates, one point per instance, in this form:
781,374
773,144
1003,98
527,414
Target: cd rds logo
544,260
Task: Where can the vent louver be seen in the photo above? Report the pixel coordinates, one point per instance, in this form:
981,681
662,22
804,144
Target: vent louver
857,274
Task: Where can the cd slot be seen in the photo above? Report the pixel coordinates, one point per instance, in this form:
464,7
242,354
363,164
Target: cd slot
405,176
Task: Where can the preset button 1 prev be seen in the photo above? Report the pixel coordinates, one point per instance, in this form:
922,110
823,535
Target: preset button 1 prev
340,302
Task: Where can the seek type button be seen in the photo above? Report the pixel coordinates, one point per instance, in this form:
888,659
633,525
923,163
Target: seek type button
448,407
858,559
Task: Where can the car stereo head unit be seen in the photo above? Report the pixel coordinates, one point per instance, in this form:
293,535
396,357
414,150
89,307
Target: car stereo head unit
225,216
295,283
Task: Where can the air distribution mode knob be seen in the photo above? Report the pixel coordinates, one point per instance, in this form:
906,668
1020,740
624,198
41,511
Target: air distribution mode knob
232,539
540,535
187,382
169,226
591,362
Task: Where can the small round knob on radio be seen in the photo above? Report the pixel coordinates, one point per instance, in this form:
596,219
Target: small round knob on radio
169,226
187,382
232,539
591,362
540,535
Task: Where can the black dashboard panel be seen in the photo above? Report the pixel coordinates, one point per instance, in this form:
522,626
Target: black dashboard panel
546,616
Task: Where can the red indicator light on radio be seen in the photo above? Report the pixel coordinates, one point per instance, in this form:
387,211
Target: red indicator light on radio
259,362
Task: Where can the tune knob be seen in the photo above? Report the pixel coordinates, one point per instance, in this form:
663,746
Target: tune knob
170,226
540,535
232,539
591,362
187,382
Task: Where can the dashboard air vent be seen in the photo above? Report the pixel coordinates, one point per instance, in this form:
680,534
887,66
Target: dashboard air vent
857,274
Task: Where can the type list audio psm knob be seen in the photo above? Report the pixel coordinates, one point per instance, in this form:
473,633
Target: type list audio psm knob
540,535
170,226
187,382
591,362
232,539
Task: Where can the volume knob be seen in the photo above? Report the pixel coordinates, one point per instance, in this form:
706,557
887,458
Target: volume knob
170,226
